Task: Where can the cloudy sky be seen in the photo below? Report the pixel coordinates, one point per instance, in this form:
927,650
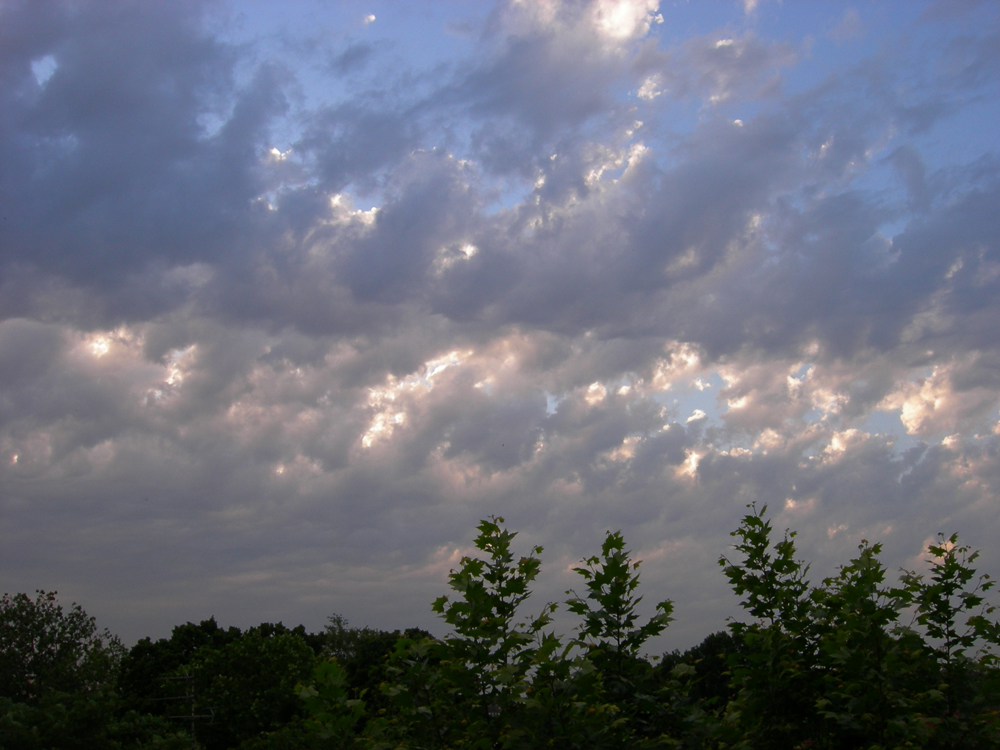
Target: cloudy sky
291,295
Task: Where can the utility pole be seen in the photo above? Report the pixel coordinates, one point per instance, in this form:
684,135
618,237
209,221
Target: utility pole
188,696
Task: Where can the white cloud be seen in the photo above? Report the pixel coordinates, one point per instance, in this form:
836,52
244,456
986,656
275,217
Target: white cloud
626,19
43,68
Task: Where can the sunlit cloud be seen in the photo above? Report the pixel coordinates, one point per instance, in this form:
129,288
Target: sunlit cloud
286,318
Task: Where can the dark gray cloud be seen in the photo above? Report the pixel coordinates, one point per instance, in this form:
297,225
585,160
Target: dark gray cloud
138,150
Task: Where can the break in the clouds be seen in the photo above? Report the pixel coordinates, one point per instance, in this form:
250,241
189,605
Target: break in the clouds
288,302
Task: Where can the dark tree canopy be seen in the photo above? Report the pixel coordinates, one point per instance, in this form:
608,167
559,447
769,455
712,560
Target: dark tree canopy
46,648
850,662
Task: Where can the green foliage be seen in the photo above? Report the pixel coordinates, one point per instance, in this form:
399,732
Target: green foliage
466,690
483,617
248,685
953,592
487,658
564,705
43,648
141,677
334,715
777,676
57,675
833,666
852,662
501,679
83,721
709,662
959,647
364,655
610,620
613,639
772,580
245,681
298,734
427,708
863,654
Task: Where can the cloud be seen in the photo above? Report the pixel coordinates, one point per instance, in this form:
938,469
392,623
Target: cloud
719,68
354,57
118,131
849,26
269,354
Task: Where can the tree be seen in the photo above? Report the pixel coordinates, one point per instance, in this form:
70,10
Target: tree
57,683
776,676
500,679
44,648
489,651
959,649
613,637
710,662
141,677
833,667
249,684
864,654
610,617
825,667
364,655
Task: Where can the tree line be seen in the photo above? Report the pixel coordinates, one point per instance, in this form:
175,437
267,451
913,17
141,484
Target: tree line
850,662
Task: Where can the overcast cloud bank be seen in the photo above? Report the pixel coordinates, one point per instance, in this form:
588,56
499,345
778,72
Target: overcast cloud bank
286,305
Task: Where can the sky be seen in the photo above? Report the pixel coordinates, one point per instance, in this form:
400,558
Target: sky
292,295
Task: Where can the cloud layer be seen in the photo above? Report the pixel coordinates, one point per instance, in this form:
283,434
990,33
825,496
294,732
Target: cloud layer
283,313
